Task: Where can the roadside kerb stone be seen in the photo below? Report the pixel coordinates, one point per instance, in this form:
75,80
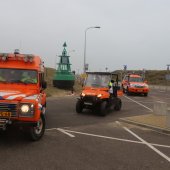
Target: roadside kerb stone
159,87
155,122
168,118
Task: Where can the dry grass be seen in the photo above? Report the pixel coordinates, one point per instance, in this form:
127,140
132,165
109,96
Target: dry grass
53,91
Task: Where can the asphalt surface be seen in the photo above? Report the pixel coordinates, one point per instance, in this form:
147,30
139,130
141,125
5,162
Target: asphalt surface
88,141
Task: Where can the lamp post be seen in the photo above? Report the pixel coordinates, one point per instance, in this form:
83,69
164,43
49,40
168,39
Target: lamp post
85,46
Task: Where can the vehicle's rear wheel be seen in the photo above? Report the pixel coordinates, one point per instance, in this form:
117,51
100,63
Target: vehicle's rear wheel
118,105
36,132
103,109
79,106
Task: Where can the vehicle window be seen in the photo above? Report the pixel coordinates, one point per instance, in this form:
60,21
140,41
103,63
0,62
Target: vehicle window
94,80
135,79
18,76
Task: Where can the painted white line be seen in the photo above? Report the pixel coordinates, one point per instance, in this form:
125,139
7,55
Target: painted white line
105,137
148,144
139,103
155,144
113,138
163,146
51,129
162,91
63,131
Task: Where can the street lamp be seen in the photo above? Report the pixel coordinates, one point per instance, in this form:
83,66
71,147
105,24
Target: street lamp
85,46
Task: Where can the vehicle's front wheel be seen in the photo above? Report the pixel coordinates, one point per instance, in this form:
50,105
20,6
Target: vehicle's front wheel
128,92
79,106
36,132
103,108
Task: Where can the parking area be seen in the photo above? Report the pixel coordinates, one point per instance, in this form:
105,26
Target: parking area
88,141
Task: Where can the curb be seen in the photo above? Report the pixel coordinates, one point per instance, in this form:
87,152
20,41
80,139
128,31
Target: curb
167,131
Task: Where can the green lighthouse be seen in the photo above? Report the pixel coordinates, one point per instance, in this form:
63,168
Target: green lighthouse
63,77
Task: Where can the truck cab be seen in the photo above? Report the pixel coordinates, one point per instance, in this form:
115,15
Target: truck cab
22,96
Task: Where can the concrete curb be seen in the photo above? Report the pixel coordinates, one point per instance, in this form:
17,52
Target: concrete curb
167,131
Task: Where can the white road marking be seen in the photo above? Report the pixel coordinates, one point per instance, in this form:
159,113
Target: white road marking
105,137
101,136
164,146
51,129
61,130
162,91
146,143
139,103
113,138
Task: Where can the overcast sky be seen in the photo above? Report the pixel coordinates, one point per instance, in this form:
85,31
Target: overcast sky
133,32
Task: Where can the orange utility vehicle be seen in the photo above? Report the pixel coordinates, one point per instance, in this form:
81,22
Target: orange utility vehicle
133,83
22,96
96,96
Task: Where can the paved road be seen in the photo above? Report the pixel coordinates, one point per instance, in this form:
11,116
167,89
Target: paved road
90,142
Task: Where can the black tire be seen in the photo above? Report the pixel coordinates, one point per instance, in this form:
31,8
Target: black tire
79,106
36,132
127,92
103,108
118,105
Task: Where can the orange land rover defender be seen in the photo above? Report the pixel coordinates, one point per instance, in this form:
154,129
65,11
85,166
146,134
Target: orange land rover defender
22,96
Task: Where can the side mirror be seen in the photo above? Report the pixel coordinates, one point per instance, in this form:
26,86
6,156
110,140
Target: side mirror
146,81
44,84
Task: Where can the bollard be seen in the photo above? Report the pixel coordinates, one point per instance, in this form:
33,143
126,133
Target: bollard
160,108
168,118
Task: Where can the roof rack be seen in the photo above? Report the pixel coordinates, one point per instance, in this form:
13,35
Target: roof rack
17,56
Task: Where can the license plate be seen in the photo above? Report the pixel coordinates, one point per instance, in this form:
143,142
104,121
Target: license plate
5,114
86,103
139,90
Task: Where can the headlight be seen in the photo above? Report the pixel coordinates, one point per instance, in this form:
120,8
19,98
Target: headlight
82,94
26,110
99,95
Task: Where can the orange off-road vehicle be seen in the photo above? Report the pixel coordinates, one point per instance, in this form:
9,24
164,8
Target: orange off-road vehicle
134,84
22,96
96,96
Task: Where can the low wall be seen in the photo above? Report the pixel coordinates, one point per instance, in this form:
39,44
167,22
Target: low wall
159,87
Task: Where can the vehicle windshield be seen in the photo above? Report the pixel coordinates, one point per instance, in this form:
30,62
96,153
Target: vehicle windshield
135,79
18,76
95,80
